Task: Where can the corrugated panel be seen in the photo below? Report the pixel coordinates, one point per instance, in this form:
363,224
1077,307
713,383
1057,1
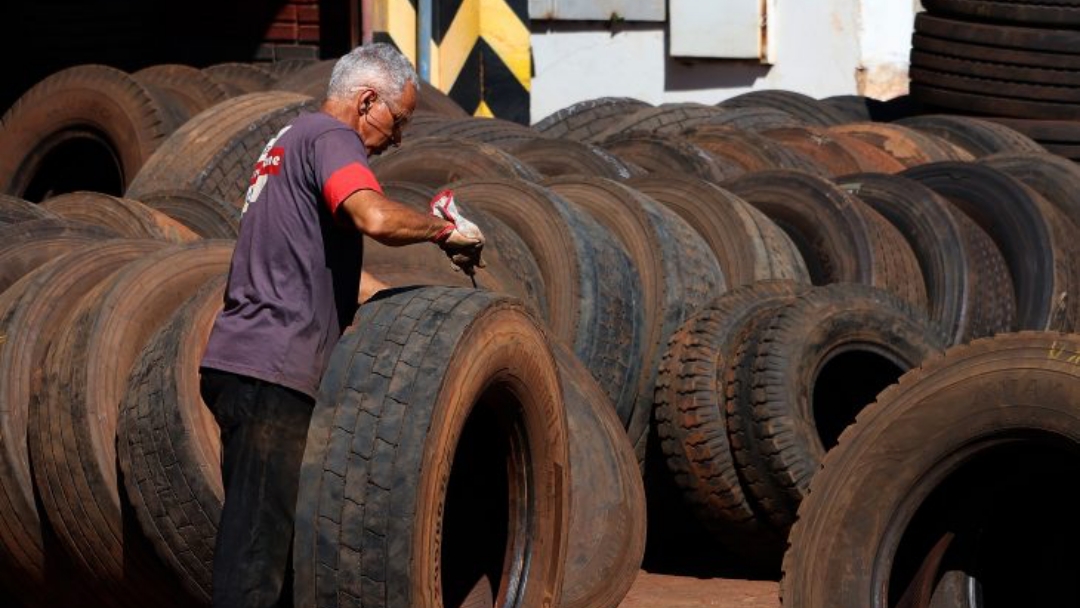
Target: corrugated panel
600,10
729,29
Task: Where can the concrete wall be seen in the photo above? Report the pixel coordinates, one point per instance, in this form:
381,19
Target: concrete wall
817,47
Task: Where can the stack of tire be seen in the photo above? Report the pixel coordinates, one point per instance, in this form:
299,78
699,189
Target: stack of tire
714,293
1013,61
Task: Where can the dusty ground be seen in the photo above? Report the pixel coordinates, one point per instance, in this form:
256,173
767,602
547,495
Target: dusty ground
668,591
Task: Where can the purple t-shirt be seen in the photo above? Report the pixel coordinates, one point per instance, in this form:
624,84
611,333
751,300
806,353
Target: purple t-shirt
295,275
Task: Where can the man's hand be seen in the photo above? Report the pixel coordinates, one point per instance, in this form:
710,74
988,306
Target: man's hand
462,240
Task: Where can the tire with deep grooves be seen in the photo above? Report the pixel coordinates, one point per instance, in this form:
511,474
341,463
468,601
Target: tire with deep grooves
997,412
130,219
592,292
691,414
427,363
792,387
1036,241
748,245
679,274
167,445
214,153
667,119
72,104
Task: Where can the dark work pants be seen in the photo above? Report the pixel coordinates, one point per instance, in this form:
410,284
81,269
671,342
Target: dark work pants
263,432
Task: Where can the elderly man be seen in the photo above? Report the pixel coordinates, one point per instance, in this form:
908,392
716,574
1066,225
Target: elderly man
292,289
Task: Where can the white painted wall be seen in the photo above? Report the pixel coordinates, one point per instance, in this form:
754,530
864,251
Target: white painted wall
817,47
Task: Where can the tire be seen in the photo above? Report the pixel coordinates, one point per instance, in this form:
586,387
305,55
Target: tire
214,153
990,105
14,210
240,78
751,151
691,416
28,245
963,284
88,127
667,119
128,218
1062,41
991,87
755,118
311,80
558,157
584,119
282,68
436,476
593,294
836,346
1052,176
979,137
190,87
748,245
993,54
500,133
510,266
436,162
805,108
1035,240
656,154
607,497
678,272
1040,14
1003,72
437,102
32,312
206,216
842,240
910,147
828,151
168,446
912,494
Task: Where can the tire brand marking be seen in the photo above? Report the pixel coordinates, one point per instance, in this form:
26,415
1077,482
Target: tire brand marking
1055,353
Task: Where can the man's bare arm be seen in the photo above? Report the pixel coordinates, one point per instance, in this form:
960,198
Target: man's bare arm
389,222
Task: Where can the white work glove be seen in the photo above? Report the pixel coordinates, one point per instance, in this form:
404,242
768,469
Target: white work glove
463,242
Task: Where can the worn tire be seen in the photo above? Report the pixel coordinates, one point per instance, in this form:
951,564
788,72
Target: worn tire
751,151
556,157
592,292
14,210
1045,13
168,447
910,504
803,107
748,245
497,132
214,153
427,464
584,119
240,78
1055,178
206,216
27,245
1037,242
436,162
128,218
190,87
979,137
909,146
661,154
90,105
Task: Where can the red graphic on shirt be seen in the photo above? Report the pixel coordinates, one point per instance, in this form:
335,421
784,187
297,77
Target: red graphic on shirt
269,164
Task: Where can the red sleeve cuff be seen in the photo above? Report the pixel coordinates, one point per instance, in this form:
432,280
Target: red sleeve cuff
347,180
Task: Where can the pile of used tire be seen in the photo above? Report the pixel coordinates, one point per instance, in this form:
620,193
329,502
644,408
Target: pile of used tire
703,297
1013,61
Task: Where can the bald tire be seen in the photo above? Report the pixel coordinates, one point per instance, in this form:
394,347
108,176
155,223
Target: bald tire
205,215
777,401
215,152
670,154
607,496
1010,394
802,107
240,78
438,161
979,137
502,134
168,445
691,415
192,90
27,245
557,157
679,274
402,427
14,210
126,217
73,103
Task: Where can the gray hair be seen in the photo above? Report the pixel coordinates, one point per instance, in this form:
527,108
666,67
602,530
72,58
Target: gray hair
379,66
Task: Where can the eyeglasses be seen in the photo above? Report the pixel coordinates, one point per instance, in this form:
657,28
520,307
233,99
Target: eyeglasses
399,120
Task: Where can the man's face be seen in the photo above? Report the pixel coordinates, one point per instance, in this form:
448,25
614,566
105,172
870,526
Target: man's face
382,119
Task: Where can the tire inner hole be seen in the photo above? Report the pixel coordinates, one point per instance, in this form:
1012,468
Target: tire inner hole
845,384
77,163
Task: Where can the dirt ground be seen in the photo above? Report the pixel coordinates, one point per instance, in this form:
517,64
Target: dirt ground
669,591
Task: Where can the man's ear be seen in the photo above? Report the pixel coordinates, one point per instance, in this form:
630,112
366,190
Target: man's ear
364,101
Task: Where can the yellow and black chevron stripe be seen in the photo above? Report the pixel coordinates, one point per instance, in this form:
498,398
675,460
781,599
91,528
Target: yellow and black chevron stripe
480,51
